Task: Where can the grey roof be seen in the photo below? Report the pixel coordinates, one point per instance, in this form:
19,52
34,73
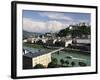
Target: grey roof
35,52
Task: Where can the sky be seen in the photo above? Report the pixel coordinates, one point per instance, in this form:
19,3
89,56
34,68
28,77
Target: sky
43,21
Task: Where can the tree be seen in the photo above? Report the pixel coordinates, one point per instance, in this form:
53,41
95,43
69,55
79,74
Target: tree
67,62
63,32
62,61
52,65
73,63
77,31
82,64
40,36
37,66
69,45
54,60
59,43
39,42
84,30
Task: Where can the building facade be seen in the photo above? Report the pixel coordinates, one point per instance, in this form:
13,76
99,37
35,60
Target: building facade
43,59
31,58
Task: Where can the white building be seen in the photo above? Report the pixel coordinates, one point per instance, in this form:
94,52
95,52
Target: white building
68,42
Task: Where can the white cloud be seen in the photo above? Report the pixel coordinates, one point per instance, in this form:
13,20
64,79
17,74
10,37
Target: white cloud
42,27
54,26
86,21
33,26
56,16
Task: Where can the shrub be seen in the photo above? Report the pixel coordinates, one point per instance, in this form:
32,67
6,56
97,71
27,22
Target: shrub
54,60
67,62
73,63
52,65
82,64
38,66
62,61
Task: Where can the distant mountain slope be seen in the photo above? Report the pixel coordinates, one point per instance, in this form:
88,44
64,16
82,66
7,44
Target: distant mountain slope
27,34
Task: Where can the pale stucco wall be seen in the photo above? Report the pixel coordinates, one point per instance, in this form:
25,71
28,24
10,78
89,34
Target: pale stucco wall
43,59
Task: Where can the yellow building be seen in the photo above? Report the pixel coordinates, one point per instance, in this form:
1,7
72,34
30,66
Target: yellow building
32,57
42,59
